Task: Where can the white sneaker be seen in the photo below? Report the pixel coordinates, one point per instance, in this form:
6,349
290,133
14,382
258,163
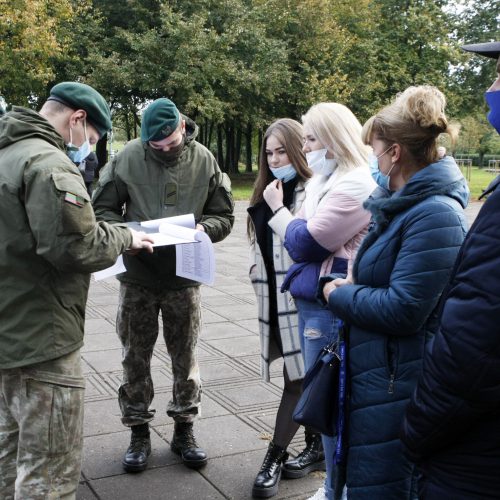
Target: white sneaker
319,495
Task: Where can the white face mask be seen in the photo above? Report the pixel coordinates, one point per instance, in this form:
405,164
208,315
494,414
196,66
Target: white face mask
285,173
78,154
318,162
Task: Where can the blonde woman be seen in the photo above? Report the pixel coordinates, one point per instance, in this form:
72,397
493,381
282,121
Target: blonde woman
324,236
400,272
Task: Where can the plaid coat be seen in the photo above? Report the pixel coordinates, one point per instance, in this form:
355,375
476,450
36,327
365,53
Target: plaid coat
286,310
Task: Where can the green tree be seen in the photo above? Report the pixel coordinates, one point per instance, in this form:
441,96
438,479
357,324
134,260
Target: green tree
31,41
477,136
477,21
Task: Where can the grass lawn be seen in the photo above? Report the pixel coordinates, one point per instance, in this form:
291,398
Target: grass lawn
479,180
242,186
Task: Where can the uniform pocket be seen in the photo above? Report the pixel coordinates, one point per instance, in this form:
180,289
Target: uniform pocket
77,215
57,400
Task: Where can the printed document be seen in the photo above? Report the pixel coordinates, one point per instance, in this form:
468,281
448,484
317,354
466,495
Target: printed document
195,257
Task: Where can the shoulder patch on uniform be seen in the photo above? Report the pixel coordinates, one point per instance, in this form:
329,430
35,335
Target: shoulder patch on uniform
74,199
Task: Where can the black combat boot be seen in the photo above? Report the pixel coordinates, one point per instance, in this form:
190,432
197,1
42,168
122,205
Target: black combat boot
136,457
268,479
184,444
310,459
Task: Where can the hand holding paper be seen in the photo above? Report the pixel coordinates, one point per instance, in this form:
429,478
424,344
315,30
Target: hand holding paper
195,258
140,241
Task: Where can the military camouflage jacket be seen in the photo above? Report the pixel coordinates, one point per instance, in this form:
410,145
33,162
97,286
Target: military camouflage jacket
49,243
141,183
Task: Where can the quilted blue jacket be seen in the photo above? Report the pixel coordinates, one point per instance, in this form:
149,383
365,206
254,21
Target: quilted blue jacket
400,272
452,425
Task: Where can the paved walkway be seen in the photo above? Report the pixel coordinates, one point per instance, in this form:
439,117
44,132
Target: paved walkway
238,409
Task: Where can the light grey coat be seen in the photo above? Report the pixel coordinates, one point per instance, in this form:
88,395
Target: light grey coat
287,312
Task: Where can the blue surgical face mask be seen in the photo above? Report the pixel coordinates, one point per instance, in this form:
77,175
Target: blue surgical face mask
493,100
319,163
285,173
78,154
380,178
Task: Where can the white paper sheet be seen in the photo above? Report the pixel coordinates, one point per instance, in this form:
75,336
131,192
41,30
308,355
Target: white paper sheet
196,261
179,220
117,268
194,250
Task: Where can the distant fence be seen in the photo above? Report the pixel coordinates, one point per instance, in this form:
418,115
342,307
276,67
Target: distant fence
465,165
493,166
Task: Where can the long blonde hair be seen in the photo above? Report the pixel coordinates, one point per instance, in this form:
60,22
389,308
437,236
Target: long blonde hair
339,131
415,120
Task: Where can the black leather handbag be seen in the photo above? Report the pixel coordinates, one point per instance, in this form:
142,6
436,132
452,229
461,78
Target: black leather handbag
318,404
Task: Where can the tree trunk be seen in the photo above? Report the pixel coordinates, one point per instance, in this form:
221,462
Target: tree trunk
229,149
237,150
210,132
137,123
127,126
248,137
220,150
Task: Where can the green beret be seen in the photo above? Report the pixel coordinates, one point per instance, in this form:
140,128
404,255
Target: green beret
80,96
159,120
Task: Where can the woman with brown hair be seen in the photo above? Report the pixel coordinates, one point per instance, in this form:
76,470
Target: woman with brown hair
281,158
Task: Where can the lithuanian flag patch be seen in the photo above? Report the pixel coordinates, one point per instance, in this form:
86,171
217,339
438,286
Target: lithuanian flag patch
74,199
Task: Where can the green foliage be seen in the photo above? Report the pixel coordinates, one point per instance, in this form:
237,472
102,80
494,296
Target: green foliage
32,39
477,21
236,65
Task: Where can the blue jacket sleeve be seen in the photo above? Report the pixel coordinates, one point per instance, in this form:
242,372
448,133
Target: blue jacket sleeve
300,244
460,381
430,240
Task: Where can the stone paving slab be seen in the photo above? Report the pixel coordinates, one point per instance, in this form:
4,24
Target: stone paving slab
241,469
214,331
99,325
102,455
222,436
165,483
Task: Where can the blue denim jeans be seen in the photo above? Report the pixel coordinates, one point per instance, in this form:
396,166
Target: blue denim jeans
317,328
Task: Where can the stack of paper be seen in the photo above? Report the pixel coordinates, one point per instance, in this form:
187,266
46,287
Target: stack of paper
194,251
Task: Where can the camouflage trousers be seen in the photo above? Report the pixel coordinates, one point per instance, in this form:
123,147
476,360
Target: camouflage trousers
41,428
137,327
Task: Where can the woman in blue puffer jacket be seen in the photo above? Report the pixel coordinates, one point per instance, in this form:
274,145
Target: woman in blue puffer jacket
401,269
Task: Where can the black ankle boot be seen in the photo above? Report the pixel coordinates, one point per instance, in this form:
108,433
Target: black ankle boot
310,459
136,456
267,481
184,444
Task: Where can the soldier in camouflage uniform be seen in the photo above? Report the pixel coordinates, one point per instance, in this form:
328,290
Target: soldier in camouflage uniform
50,243
162,174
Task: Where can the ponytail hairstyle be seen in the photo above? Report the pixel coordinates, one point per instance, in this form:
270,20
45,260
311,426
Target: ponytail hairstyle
415,120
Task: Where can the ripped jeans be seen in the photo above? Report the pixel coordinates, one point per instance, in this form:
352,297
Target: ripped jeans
317,328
